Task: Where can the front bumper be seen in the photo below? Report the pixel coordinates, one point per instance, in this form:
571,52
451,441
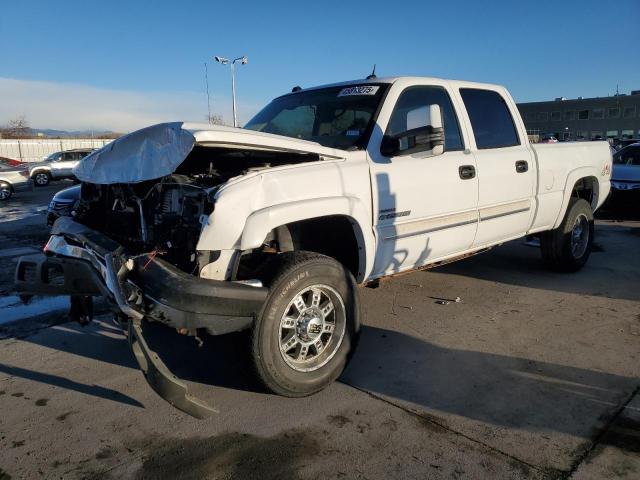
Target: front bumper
625,186
81,262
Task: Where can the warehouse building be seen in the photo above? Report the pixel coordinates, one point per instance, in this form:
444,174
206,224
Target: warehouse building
616,118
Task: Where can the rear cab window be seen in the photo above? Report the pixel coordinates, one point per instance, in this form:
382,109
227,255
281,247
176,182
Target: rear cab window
491,120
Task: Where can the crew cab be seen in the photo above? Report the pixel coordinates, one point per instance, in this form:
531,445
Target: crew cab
57,166
274,226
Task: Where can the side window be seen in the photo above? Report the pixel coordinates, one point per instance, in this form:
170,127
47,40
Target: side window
490,118
411,112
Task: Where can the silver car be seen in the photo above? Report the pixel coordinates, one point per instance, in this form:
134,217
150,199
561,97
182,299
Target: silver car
12,180
57,166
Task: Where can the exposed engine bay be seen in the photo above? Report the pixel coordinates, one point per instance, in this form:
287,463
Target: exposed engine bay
166,215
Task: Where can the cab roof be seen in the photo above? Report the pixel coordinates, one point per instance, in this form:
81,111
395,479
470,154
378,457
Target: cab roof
404,79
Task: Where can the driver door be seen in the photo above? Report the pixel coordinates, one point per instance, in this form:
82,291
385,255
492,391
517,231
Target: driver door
425,206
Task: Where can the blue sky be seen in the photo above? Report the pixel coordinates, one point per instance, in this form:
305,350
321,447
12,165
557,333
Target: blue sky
147,53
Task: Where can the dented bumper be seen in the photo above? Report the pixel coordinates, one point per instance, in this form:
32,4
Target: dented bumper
81,262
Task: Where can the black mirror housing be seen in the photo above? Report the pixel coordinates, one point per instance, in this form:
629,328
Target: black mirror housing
416,140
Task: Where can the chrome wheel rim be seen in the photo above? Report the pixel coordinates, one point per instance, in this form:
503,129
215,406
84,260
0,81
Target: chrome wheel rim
312,328
580,236
5,193
42,178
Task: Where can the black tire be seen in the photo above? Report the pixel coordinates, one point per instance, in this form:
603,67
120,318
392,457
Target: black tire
5,191
41,179
287,276
558,248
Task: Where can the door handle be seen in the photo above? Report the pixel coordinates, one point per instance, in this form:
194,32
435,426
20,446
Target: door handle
522,166
467,172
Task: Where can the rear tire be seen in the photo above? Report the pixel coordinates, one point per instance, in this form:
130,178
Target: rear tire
41,179
567,248
308,327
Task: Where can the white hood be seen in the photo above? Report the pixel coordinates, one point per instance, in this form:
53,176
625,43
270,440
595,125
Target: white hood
156,151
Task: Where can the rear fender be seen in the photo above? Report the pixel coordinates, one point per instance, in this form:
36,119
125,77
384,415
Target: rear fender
572,179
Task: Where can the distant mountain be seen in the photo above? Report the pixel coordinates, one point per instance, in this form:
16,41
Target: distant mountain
48,132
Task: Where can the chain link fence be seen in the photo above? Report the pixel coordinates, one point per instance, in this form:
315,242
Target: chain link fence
35,150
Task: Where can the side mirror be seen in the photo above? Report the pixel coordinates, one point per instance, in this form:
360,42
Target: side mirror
420,139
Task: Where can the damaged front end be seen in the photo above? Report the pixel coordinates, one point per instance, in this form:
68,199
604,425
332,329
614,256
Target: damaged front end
83,263
133,239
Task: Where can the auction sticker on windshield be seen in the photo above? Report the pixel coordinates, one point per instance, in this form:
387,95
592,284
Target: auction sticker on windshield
359,90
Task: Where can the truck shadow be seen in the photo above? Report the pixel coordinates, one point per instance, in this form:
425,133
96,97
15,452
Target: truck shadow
483,387
488,388
611,271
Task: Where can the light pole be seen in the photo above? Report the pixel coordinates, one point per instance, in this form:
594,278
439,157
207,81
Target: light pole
224,61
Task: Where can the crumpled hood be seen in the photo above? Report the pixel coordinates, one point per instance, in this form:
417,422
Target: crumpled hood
157,151
152,152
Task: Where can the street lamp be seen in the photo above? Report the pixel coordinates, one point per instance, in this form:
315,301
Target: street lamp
225,61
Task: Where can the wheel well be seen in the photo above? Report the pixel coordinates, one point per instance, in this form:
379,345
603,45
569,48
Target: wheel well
587,189
334,236
40,170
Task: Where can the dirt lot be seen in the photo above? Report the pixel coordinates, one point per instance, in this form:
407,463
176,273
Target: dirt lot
531,375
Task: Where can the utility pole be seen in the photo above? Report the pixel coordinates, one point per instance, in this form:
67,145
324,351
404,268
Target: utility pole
224,61
206,81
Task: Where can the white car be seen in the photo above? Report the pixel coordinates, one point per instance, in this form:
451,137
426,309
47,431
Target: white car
13,179
272,227
57,166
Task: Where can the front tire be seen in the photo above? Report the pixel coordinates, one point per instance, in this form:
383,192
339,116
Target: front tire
567,248
41,179
308,327
5,191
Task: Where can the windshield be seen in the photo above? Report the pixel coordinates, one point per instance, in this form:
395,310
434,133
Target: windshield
628,156
338,117
53,157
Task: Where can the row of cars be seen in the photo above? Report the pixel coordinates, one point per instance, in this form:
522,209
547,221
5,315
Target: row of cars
16,176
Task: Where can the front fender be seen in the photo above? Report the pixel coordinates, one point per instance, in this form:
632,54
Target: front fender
262,221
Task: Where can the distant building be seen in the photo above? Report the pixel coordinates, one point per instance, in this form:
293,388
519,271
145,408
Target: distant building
616,118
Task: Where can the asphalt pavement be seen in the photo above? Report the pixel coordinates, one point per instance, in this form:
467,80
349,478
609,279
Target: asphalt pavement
531,375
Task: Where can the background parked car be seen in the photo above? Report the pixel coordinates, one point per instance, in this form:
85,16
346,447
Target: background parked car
620,144
10,162
12,180
625,175
62,203
57,166
549,139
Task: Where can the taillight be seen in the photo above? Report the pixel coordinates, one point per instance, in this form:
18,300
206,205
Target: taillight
24,173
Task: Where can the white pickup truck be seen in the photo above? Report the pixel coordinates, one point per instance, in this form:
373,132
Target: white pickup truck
272,227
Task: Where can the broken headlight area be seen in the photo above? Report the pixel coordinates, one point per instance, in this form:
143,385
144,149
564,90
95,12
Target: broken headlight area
162,216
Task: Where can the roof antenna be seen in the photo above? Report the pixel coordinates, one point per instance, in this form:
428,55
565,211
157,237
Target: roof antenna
373,73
